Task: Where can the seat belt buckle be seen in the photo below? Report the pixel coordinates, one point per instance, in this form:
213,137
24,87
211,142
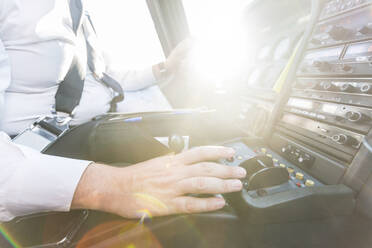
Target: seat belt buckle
44,131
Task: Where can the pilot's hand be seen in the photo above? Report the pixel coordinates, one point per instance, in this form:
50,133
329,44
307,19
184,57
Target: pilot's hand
178,54
174,61
160,186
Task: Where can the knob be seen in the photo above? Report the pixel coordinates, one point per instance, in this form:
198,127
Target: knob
346,68
366,29
322,65
340,139
339,33
343,139
355,116
286,149
347,87
328,86
265,161
176,143
366,88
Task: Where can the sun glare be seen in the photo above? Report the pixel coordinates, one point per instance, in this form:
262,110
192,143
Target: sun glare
221,42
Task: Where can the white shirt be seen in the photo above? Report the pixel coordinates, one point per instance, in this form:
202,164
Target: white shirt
36,48
40,42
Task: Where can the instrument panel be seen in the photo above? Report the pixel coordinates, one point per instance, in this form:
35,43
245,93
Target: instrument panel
329,110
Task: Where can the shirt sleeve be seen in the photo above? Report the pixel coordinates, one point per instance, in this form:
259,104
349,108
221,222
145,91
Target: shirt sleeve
31,182
133,80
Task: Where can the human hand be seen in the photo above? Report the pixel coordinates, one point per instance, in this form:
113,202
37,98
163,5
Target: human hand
174,60
160,186
178,54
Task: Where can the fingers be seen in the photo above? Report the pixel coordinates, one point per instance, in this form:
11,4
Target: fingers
190,205
207,185
206,169
205,153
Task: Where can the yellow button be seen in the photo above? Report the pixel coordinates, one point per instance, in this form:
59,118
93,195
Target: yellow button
263,150
309,183
299,176
290,170
269,155
283,165
275,160
240,157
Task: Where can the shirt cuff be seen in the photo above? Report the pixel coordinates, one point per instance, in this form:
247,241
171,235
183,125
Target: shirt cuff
148,76
43,183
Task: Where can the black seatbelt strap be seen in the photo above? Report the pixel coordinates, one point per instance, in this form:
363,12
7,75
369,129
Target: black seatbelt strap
93,59
71,88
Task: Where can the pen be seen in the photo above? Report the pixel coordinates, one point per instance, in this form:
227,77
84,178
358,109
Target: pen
165,115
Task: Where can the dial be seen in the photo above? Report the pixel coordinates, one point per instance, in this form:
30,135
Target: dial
282,49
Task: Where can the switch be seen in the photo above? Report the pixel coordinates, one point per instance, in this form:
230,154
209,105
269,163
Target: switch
299,176
309,183
275,160
283,166
269,155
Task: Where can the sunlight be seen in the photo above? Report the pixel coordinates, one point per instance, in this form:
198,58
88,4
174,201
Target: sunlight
126,31
222,44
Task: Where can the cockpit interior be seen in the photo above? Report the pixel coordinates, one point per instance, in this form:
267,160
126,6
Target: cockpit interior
288,85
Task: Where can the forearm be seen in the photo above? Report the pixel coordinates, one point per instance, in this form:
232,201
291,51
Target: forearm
133,80
91,190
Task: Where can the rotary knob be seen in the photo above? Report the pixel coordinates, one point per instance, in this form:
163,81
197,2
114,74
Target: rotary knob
346,68
340,139
366,88
347,87
354,116
343,139
328,86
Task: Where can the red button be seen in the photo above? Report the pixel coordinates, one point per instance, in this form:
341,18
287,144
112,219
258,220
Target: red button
299,185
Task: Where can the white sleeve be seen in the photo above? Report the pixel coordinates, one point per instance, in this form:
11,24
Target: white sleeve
133,80
4,76
29,181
